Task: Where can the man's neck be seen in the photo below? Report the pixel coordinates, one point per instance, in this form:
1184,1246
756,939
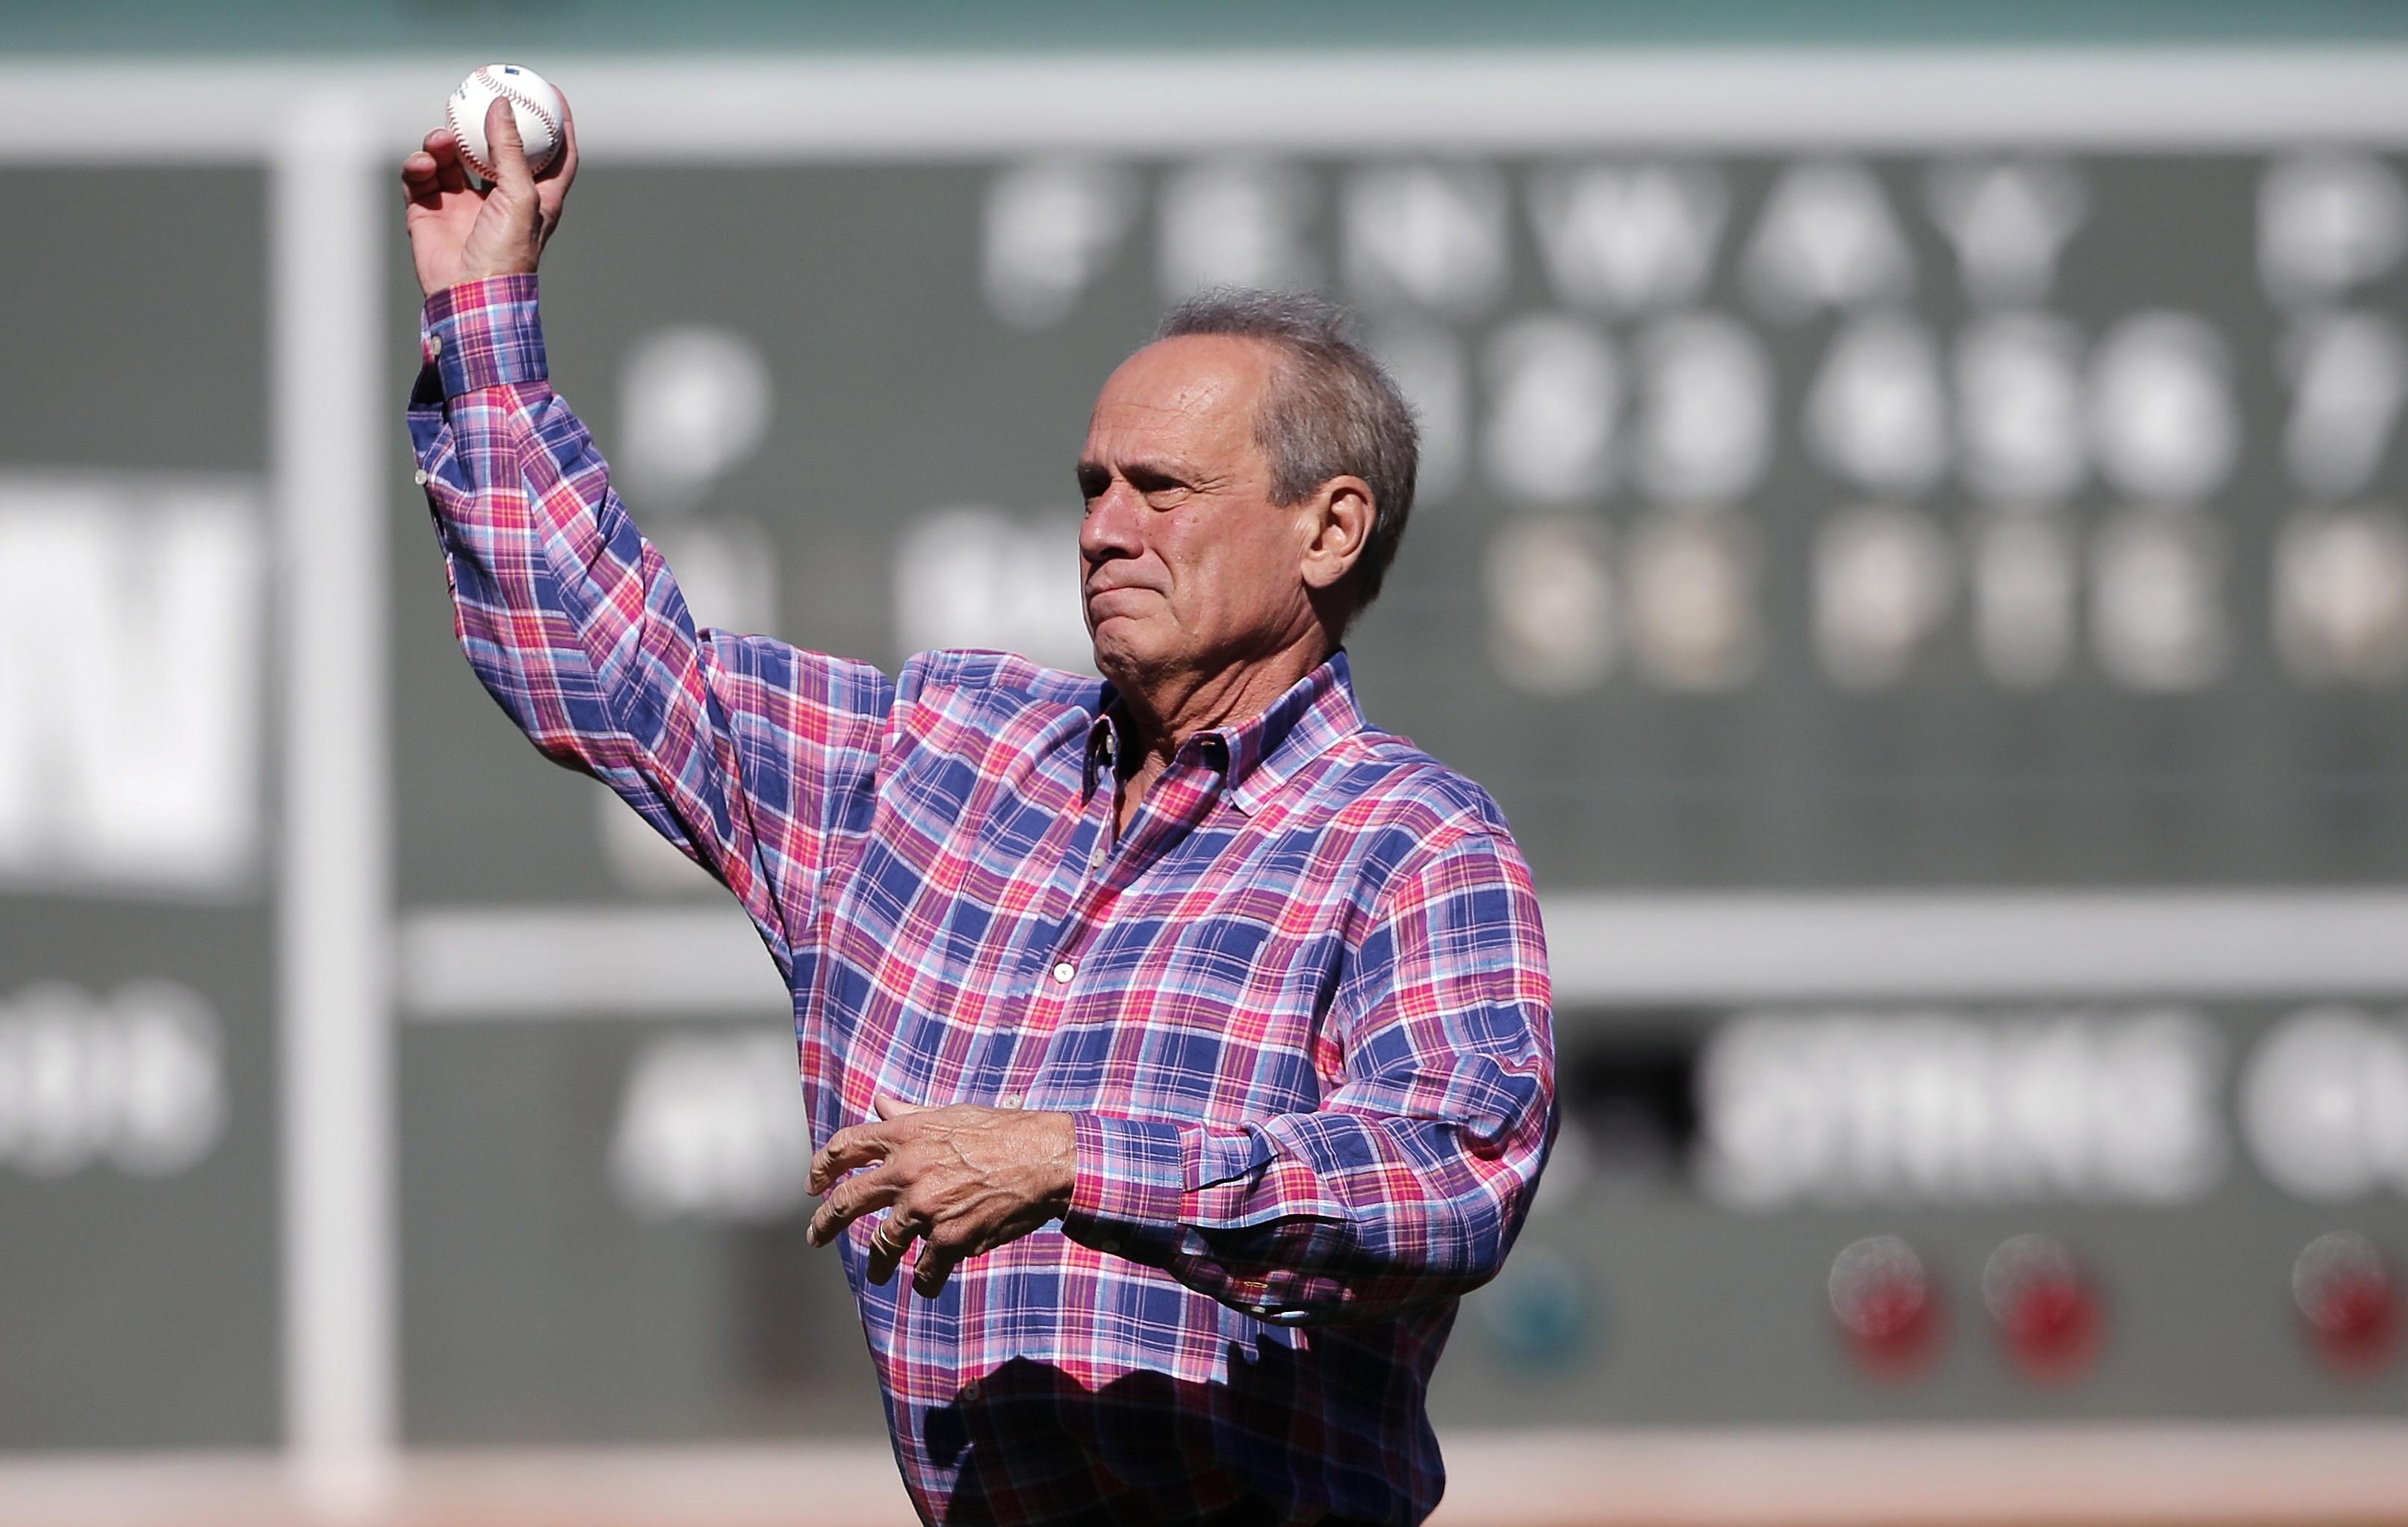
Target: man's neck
1165,712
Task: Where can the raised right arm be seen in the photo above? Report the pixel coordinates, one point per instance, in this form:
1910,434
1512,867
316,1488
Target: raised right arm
747,753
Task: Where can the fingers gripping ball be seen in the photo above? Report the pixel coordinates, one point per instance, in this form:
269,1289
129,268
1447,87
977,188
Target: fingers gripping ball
534,105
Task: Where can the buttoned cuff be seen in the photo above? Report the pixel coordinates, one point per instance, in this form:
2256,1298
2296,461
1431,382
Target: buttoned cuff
1150,1178
1132,1173
484,334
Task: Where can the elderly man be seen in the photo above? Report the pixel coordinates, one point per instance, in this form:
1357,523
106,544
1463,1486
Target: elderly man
1185,1035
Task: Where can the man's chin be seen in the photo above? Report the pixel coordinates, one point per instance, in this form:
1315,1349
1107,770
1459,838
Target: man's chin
1122,653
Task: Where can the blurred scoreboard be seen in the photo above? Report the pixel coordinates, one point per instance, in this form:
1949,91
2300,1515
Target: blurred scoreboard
1936,617
1789,523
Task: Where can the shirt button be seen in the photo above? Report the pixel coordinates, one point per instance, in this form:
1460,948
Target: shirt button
970,1390
1009,1100
420,476
1064,971
1110,1243
433,344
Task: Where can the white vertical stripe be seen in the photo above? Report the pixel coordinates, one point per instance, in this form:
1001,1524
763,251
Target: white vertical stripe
335,915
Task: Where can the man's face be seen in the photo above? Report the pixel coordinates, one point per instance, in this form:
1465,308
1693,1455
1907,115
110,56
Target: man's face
1187,565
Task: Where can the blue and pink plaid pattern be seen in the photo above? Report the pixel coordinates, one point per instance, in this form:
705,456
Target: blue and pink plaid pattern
1299,1009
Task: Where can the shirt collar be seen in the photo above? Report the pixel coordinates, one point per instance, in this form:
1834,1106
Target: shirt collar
1258,754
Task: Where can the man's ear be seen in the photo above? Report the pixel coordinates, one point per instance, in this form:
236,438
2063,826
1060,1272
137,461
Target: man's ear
1338,525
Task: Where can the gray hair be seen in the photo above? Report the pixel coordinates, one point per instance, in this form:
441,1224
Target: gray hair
1330,412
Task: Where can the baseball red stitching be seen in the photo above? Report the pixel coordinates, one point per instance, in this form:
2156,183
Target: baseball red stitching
452,112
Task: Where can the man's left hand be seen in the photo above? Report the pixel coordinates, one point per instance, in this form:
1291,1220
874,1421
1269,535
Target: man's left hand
963,1179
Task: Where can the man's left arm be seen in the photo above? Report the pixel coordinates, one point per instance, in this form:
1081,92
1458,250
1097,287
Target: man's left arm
1411,1181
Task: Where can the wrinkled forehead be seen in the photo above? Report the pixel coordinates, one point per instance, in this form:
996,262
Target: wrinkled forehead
1195,394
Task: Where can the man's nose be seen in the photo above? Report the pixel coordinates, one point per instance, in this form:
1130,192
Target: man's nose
1111,525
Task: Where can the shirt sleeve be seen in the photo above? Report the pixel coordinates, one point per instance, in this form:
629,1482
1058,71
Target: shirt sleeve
1411,1181
745,752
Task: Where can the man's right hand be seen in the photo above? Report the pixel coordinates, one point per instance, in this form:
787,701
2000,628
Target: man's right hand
458,233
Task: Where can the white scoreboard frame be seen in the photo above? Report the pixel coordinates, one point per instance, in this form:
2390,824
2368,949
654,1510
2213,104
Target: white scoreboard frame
329,133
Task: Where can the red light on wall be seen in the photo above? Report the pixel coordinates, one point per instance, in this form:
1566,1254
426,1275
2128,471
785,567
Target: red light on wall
2344,1288
1886,1306
2047,1312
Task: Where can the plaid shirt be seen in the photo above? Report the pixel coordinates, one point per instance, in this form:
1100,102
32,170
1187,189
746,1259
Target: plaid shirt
1298,1011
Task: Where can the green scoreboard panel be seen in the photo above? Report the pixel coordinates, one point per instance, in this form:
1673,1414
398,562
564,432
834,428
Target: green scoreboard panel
138,1069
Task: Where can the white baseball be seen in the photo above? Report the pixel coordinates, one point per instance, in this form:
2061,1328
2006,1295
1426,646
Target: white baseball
533,102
